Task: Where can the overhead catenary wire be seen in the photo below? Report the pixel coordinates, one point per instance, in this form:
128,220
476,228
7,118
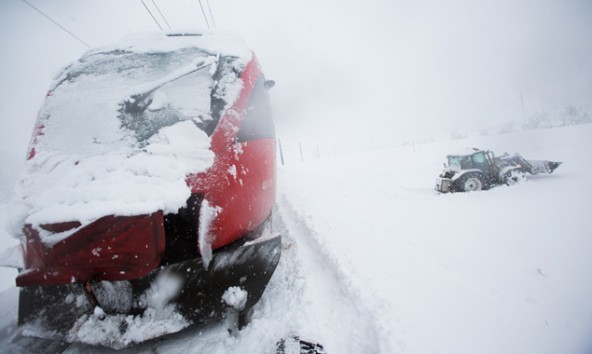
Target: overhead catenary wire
151,15
161,15
204,14
211,14
57,24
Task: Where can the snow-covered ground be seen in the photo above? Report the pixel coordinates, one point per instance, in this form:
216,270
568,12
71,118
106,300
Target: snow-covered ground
375,261
500,271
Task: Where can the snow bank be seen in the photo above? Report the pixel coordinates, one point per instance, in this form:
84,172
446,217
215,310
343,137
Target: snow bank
498,271
64,187
10,256
118,331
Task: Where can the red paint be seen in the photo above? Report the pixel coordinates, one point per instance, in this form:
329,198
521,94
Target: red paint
246,200
111,248
37,132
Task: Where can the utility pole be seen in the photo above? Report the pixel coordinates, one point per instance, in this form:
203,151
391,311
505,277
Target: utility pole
281,152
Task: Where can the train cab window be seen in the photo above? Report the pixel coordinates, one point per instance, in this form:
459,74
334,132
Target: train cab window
257,123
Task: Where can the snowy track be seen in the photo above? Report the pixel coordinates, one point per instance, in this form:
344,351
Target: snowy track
308,296
332,312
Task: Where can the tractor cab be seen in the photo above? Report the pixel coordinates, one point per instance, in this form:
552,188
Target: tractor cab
475,169
477,160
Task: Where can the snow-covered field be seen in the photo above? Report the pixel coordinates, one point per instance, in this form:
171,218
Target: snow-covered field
375,261
501,271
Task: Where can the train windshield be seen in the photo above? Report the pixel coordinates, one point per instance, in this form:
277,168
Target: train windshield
109,98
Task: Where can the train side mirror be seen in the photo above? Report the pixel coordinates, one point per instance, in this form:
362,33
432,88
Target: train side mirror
268,84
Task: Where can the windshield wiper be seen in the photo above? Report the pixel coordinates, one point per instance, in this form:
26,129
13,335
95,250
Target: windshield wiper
136,101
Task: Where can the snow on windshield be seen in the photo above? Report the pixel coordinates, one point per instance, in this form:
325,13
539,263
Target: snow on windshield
122,128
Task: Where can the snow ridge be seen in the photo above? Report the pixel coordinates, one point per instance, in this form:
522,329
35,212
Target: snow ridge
332,300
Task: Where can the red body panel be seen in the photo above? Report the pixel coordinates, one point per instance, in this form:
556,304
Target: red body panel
111,248
242,184
242,179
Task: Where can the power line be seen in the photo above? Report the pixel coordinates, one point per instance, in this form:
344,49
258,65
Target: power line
211,14
161,15
154,18
204,14
57,24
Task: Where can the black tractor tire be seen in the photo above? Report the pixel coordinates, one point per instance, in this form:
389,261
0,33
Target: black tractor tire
471,183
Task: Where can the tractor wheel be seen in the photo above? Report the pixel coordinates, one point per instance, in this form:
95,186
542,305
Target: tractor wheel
472,183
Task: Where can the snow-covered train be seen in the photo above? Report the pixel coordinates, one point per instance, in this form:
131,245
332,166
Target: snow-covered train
148,191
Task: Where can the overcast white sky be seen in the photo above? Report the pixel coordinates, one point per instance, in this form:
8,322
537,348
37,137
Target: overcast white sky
371,73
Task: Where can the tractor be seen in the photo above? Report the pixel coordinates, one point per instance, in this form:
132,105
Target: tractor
480,170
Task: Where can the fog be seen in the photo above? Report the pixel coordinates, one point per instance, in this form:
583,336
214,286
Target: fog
350,74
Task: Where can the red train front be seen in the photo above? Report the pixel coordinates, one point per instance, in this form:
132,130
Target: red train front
103,232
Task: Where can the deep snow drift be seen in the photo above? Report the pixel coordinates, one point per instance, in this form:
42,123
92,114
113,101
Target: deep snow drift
499,271
374,260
